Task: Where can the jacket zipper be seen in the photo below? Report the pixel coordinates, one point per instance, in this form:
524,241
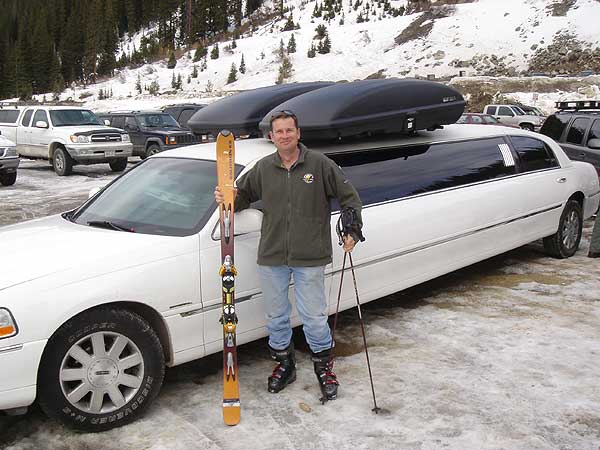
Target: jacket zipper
287,220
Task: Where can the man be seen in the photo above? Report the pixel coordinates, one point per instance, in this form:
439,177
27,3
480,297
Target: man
296,186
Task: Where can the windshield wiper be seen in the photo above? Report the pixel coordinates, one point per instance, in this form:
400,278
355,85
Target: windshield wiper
110,225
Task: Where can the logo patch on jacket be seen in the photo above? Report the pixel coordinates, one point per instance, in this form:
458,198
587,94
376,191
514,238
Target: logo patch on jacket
308,178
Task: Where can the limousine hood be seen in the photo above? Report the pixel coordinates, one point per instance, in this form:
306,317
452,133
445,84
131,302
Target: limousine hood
55,251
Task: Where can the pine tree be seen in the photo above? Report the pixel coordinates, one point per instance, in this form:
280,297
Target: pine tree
281,50
195,72
242,65
204,65
173,81
291,47
312,51
325,45
154,87
321,31
285,70
233,44
179,83
200,53
232,78
289,24
138,84
172,61
214,54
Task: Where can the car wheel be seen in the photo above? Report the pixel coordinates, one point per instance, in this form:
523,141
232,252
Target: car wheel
8,179
526,126
118,165
152,149
62,162
100,370
565,242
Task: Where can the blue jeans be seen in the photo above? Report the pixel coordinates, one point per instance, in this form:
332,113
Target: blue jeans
311,303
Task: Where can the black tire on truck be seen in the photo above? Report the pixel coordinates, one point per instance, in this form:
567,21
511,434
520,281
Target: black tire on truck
8,179
118,165
62,162
152,149
100,370
565,242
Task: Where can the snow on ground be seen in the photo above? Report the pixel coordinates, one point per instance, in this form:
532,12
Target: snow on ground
500,355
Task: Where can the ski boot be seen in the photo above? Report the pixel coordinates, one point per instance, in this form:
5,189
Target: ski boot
327,379
285,372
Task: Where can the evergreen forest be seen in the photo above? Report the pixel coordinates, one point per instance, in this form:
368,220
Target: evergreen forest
45,45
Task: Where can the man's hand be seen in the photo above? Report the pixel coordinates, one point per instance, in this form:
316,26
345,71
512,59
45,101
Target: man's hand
349,243
219,198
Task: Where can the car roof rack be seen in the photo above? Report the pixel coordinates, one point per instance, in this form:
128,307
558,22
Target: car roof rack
578,105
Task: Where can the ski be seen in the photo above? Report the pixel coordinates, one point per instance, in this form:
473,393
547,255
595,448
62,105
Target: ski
227,272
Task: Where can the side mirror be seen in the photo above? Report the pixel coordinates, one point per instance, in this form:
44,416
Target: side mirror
245,222
41,124
594,143
107,122
93,191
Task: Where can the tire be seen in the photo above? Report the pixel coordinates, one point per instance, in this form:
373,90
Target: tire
152,149
565,242
62,162
118,165
526,126
8,179
106,390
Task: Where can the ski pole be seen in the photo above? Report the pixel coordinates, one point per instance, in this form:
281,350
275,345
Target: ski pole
375,409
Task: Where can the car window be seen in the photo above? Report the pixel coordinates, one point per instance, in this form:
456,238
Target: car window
518,111
157,120
463,119
26,117
533,154
73,117
491,110
185,116
476,119
577,130
505,111
554,126
40,114
9,115
118,121
392,173
595,130
490,119
131,122
165,196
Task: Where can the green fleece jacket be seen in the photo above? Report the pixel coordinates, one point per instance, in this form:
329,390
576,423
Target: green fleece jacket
296,228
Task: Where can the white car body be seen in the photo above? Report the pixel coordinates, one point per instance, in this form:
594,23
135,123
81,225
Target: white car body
59,269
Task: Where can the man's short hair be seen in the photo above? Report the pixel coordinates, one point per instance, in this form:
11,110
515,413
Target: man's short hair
285,114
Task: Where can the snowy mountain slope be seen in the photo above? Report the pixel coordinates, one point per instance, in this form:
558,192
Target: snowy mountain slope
480,37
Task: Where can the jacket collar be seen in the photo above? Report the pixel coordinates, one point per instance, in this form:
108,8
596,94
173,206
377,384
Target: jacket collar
277,159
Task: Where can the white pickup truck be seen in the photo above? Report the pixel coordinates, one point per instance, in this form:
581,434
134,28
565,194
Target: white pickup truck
66,136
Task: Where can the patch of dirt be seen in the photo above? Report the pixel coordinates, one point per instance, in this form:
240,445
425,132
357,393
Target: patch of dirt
560,7
422,25
565,55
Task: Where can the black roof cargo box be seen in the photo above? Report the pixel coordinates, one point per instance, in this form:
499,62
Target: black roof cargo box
372,107
242,112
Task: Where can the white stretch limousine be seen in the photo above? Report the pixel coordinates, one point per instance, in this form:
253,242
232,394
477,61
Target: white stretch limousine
98,300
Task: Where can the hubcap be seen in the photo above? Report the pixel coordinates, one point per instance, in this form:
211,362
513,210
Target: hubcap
101,372
58,161
570,231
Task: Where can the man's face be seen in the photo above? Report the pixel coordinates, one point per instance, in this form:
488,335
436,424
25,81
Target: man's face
284,134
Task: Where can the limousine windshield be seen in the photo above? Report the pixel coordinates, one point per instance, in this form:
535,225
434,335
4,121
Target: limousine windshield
166,196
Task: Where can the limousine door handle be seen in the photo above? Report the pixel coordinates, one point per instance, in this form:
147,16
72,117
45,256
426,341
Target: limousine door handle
561,180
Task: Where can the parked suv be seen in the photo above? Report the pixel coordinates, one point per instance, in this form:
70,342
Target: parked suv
576,128
150,132
9,162
514,115
182,113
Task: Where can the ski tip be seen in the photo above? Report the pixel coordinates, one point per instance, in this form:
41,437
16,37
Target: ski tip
225,133
232,415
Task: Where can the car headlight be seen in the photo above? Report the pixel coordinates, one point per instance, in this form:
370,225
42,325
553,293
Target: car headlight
80,139
125,138
8,326
7,152
170,140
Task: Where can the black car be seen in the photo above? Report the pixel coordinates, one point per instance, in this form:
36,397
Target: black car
576,127
150,131
182,112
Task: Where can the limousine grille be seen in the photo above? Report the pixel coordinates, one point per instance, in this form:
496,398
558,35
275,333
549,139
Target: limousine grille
106,137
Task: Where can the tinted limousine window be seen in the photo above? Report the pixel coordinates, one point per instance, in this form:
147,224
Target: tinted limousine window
391,173
533,154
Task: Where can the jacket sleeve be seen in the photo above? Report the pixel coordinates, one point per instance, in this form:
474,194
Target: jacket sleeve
248,189
339,187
